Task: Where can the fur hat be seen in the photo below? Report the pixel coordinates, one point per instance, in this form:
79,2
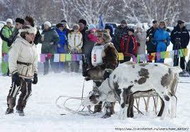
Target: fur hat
47,23
19,20
83,21
9,20
105,35
76,26
30,20
28,29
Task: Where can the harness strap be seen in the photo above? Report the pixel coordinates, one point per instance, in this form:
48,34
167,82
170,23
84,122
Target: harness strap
112,89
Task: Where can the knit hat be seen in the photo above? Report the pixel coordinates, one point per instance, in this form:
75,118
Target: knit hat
139,25
180,22
131,30
9,20
19,20
47,23
83,21
154,21
105,35
59,25
91,26
63,21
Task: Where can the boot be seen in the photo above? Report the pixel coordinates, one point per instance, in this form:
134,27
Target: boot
20,112
184,73
109,106
20,107
98,107
9,111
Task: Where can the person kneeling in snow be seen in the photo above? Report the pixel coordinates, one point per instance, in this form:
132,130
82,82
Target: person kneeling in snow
104,61
23,67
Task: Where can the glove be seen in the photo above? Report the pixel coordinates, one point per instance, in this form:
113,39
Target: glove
107,74
16,79
35,79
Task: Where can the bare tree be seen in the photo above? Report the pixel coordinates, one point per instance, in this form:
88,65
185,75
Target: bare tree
87,9
113,10
147,10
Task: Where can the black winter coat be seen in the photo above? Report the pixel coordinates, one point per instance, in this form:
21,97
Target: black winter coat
83,37
179,38
119,33
151,47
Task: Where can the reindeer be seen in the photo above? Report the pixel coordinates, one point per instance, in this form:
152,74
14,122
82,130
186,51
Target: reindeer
129,79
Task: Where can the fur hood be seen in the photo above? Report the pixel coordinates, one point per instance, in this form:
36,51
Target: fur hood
105,34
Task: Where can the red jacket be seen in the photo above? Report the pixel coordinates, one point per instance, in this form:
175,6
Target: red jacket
129,45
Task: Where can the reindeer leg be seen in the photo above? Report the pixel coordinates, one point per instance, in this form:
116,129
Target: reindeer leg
155,99
162,107
137,100
166,99
145,102
173,106
130,108
123,111
148,100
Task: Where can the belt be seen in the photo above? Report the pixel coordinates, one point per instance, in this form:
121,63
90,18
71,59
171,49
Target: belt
24,63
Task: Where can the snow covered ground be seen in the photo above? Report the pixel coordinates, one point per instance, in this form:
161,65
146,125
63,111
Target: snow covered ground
42,115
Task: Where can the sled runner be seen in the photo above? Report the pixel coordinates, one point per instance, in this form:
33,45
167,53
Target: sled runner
61,102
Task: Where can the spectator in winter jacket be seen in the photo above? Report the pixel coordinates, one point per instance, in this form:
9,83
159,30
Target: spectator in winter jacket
129,45
6,31
119,32
104,59
83,27
30,21
180,40
75,43
140,34
110,28
90,40
62,44
65,27
66,30
11,39
162,39
151,47
23,60
49,41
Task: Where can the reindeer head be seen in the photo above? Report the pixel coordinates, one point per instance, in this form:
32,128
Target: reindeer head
95,73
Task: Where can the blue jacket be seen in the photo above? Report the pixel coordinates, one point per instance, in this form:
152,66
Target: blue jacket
62,41
161,36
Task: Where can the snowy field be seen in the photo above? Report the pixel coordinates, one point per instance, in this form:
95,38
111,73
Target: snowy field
42,115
